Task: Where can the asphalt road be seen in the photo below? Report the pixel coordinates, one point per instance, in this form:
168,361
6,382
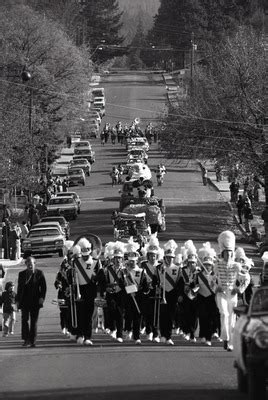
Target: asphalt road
59,369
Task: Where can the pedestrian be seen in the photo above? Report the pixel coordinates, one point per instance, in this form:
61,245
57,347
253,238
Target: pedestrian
240,206
35,216
8,301
264,216
246,185
5,238
24,231
14,240
256,192
31,295
6,213
234,190
18,241
205,176
65,185
248,215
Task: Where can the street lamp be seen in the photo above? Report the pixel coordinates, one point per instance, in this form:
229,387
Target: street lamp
26,76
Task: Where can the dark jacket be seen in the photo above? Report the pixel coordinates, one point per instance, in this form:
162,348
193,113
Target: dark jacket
8,300
35,289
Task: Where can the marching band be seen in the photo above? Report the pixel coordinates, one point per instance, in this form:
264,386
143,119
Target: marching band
151,289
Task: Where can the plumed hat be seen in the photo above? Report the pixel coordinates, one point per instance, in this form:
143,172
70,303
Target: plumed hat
153,245
86,246
76,250
226,241
119,249
240,254
191,251
170,248
183,253
132,249
67,246
207,254
178,259
108,250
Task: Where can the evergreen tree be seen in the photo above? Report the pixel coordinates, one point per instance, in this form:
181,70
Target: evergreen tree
102,21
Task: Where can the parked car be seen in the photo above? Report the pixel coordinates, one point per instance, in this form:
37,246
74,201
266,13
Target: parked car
99,104
75,176
98,92
43,241
62,221
74,195
251,345
49,224
82,163
65,205
100,110
84,153
93,114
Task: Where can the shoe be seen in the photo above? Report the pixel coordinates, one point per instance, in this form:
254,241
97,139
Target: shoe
150,337
80,340
225,344
108,331
216,337
208,342
143,330
32,345
138,341
193,340
72,338
230,347
64,331
11,333
113,334
186,337
178,331
156,339
170,342
5,335
203,340
88,342
163,339
128,335
119,340
25,343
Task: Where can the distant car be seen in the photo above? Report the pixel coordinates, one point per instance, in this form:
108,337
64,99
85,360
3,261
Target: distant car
93,114
82,163
43,241
85,153
101,105
137,154
82,143
76,176
58,170
251,345
99,99
49,224
74,195
100,110
138,142
75,138
62,221
62,205
98,92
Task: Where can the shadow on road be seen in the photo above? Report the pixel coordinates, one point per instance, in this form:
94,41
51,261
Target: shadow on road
160,392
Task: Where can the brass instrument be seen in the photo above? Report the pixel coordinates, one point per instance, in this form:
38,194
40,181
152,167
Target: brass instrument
159,297
59,302
131,288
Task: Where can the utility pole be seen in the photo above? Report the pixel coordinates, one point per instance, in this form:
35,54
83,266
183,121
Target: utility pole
193,49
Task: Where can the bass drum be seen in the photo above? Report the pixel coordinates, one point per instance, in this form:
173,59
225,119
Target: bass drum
95,243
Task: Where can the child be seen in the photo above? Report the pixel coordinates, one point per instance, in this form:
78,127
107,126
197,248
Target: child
8,300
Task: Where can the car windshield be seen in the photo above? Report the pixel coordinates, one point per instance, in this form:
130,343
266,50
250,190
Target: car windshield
82,151
61,220
79,161
74,171
43,232
136,152
259,303
62,200
82,144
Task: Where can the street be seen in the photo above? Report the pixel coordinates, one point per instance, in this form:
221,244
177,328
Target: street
59,369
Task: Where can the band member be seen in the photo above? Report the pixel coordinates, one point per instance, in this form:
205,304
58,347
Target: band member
188,296
115,290
90,278
62,286
228,285
207,310
136,285
153,254
169,276
246,265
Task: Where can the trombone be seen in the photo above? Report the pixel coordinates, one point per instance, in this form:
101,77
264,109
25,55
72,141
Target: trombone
75,295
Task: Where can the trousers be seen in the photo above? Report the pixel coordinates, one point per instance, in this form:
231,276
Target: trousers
226,303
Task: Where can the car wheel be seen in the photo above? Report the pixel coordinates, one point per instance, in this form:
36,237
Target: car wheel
242,382
256,383
60,253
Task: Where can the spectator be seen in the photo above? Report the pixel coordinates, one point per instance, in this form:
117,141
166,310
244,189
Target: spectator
13,242
24,231
240,206
256,189
65,185
247,211
5,238
8,300
6,213
265,220
205,176
246,185
234,190
30,298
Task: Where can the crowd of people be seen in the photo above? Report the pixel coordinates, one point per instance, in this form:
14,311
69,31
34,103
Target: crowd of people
120,133
156,290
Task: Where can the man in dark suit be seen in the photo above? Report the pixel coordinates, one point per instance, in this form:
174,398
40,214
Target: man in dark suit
31,294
